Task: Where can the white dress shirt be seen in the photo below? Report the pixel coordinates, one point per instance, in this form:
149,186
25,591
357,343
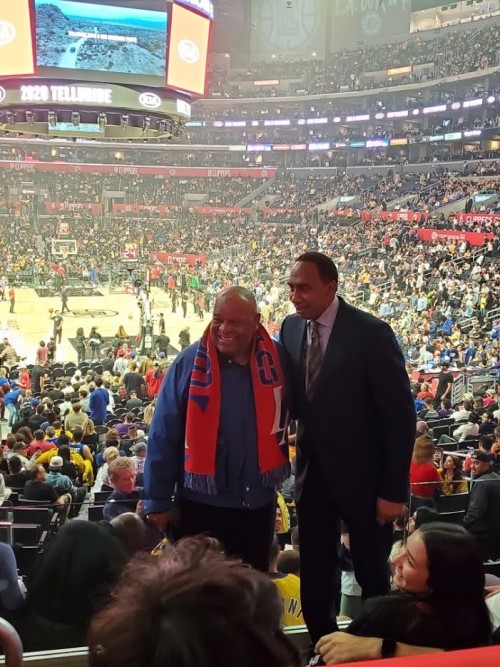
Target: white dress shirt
325,324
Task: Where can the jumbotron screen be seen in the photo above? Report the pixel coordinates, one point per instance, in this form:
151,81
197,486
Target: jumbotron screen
114,41
101,40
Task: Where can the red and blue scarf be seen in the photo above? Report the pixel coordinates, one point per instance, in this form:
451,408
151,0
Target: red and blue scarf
203,413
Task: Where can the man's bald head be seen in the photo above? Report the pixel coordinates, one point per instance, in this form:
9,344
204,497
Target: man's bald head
235,322
236,292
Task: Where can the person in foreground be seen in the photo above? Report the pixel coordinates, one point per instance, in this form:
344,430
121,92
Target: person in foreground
347,376
74,579
218,438
191,607
440,605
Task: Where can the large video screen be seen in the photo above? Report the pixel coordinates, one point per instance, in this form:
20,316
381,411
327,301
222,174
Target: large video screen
104,41
189,37
16,47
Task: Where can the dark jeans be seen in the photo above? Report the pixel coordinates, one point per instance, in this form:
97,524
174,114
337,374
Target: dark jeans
245,534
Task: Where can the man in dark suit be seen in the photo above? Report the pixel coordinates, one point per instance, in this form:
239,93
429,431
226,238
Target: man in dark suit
346,373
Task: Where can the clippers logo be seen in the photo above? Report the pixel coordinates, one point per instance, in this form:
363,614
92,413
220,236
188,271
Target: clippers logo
7,33
188,51
149,100
3,94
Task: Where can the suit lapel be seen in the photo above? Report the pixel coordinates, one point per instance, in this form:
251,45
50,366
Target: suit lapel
300,348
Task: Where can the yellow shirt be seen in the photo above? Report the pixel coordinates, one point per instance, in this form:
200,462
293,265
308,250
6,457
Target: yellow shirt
85,467
288,586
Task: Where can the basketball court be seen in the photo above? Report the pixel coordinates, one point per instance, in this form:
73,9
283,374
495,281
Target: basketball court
31,321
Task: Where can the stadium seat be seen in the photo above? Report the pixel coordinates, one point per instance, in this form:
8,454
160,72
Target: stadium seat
27,513
456,502
438,431
96,512
452,517
492,567
26,557
101,496
470,443
449,446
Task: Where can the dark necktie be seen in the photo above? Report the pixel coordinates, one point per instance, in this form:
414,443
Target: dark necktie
314,357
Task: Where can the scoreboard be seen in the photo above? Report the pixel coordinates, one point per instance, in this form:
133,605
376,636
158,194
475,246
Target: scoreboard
151,43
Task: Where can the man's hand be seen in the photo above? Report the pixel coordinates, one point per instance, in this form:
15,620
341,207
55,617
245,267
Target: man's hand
387,512
161,520
340,647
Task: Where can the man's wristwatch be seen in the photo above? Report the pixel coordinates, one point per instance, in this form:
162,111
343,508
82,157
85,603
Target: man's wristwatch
388,648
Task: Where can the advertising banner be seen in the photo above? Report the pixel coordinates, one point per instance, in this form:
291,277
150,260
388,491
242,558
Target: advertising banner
478,218
474,238
178,258
366,216
161,209
174,172
220,210
57,206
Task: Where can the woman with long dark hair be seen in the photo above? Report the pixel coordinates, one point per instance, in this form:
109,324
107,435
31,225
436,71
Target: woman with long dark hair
453,476
440,604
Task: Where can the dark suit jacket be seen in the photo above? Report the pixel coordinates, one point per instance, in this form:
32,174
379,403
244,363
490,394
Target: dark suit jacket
359,424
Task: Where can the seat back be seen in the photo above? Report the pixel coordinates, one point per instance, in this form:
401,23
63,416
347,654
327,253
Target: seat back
452,517
26,534
492,567
56,374
96,512
32,515
440,430
14,497
101,496
455,503
26,558
470,443
449,446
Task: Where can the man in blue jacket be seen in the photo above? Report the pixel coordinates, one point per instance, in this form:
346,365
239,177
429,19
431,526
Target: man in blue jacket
218,440
98,402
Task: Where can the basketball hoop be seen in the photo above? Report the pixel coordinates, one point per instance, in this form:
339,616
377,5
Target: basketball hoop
64,247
